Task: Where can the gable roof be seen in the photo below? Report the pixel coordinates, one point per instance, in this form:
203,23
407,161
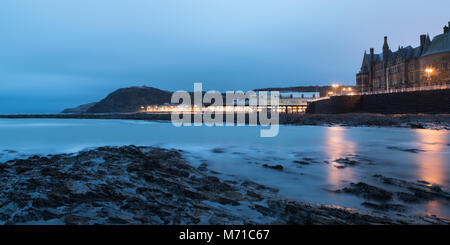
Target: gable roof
440,44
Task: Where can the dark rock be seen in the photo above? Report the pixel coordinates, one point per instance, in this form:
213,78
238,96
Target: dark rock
227,201
21,170
423,182
203,167
47,215
421,191
194,194
346,161
177,172
301,162
436,188
385,206
416,125
44,203
308,159
276,167
255,195
405,149
369,192
75,220
118,221
407,197
218,150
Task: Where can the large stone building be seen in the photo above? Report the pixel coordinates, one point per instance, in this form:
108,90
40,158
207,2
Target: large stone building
408,67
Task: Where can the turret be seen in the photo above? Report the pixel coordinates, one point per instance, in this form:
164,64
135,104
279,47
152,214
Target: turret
385,44
372,56
385,52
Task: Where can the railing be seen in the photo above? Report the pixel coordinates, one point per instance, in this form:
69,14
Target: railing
321,98
424,88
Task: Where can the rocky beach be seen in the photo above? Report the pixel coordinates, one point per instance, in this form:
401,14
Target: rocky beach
150,185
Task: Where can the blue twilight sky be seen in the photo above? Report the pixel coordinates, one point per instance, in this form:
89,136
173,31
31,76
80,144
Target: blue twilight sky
56,54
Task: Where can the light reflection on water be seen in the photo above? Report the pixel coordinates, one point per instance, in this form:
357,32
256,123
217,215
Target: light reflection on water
430,164
337,146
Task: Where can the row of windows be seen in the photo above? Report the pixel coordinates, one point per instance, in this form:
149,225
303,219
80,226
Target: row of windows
379,73
444,66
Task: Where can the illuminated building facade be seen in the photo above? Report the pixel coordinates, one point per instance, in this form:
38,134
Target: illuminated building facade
408,67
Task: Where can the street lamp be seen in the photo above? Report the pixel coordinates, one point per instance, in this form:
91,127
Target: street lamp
429,71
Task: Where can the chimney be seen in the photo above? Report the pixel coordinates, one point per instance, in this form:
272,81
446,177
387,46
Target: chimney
446,28
372,56
422,41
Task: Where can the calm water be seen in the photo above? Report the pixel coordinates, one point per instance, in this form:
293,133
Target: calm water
245,152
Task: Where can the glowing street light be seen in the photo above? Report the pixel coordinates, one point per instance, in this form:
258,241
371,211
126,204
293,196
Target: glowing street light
335,86
429,71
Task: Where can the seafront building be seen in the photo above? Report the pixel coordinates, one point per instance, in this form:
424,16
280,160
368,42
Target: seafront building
408,67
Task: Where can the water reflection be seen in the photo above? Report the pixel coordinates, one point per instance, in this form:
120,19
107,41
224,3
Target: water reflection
337,145
431,167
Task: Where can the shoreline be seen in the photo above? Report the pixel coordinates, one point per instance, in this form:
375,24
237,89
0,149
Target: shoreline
417,121
148,185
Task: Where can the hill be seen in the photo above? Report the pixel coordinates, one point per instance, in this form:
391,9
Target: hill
130,100
79,109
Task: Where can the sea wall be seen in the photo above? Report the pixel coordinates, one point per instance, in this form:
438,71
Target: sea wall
432,102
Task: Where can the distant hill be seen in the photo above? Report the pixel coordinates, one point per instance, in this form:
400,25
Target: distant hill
130,100
125,100
79,109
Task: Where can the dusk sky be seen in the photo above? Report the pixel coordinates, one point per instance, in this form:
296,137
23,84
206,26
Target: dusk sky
57,54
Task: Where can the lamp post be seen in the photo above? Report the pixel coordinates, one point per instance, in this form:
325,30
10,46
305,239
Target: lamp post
429,71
